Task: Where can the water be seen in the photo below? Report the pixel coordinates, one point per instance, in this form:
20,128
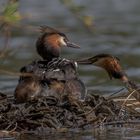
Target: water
106,133
117,31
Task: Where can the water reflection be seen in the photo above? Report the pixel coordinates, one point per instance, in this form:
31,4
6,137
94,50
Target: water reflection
106,133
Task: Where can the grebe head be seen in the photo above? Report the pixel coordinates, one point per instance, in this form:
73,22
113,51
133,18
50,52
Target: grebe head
109,63
50,43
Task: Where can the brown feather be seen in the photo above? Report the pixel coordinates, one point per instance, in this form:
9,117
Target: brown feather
47,29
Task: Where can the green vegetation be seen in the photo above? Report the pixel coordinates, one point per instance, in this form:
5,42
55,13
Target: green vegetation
10,14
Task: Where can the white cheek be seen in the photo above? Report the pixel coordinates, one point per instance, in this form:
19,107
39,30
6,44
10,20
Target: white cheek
76,65
62,42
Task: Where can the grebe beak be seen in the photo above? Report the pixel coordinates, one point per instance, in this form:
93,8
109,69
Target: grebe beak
72,45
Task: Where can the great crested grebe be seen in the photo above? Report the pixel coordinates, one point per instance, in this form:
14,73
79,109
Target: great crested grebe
59,74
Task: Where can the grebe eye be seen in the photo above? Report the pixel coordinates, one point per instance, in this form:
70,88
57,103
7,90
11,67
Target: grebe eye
65,40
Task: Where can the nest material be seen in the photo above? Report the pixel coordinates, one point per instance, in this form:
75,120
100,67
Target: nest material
52,113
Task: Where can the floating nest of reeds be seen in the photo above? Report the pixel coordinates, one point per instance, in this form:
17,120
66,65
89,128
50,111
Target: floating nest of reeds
52,113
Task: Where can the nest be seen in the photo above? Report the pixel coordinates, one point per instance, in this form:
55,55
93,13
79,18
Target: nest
51,113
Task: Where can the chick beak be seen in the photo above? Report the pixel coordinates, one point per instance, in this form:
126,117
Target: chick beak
72,45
